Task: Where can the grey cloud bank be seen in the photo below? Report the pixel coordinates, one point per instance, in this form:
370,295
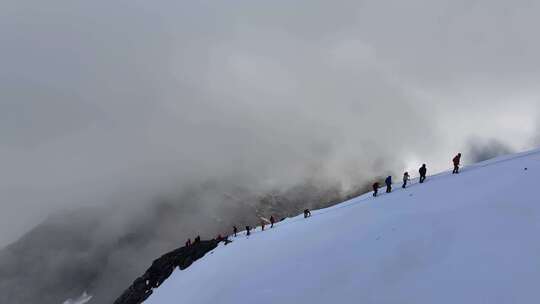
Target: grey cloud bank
104,103
97,96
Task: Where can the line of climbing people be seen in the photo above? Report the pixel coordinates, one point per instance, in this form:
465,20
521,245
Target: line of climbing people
307,213
195,241
264,222
406,177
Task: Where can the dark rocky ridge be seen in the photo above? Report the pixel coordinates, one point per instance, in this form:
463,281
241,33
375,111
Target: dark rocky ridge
183,257
161,269
101,250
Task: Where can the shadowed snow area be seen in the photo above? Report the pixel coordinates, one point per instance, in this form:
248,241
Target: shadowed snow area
466,238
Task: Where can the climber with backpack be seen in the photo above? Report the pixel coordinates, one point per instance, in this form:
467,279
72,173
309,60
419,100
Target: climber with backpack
422,171
388,182
406,178
456,160
375,188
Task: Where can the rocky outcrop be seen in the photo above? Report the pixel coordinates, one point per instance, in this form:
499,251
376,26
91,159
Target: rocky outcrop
162,268
100,248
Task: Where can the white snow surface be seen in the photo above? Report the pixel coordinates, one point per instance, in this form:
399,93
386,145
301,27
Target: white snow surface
467,238
84,298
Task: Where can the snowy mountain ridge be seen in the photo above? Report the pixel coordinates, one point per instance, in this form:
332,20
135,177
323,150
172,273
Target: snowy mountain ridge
465,238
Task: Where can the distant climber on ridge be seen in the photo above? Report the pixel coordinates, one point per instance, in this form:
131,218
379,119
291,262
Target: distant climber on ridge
456,161
307,213
375,188
248,232
235,230
272,221
388,182
406,178
188,243
422,171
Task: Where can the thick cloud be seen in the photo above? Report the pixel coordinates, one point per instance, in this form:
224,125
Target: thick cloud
98,96
120,102
480,149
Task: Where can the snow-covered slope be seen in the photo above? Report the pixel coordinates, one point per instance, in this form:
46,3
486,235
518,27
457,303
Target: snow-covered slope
83,299
467,238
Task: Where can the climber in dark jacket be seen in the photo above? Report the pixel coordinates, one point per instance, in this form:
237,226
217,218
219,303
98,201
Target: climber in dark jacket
235,230
272,221
197,239
307,213
456,161
422,171
375,188
388,182
188,243
248,232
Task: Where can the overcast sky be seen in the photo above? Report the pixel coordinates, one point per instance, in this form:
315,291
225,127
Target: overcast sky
104,100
